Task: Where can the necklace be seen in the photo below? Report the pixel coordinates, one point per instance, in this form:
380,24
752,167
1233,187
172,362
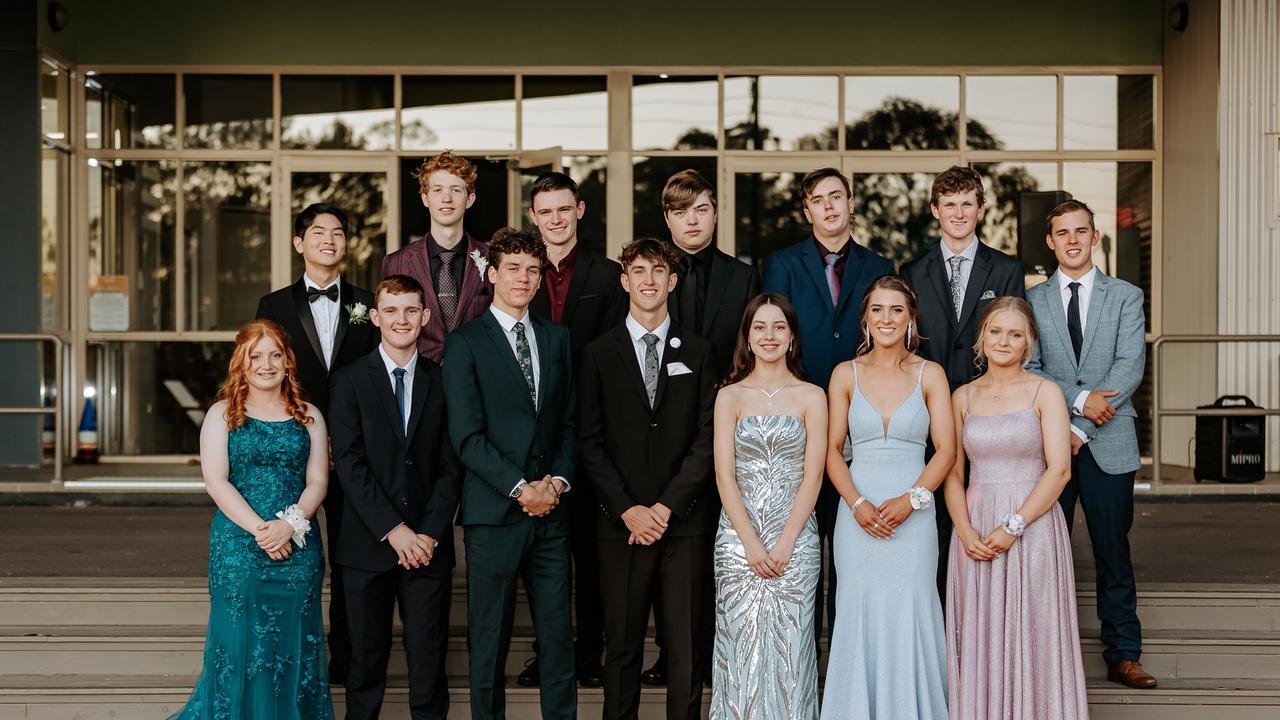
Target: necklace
771,394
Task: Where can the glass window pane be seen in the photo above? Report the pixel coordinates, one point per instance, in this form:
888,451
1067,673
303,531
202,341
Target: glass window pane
571,112
1012,112
55,188
650,175
331,112
591,174
1003,185
891,214
1108,112
1120,196
768,213
901,112
485,216
151,396
781,112
129,111
131,243
674,113
475,112
227,111
227,223
363,195
54,100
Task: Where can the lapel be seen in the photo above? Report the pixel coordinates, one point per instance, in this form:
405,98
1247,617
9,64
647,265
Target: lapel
670,354
977,280
581,268
383,389
470,277
420,260
936,270
628,362
346,296
503,349
308,322
814,264
418,400
540,333
717,286
1096,300
1058,316
853,265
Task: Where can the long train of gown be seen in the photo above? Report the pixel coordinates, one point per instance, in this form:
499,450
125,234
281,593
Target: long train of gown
1013,635
765,663
888,650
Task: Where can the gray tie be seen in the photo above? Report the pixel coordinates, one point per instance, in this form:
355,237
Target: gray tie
650,366
957,293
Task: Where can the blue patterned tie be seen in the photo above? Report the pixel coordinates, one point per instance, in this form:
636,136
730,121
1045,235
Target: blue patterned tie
525,360
399,373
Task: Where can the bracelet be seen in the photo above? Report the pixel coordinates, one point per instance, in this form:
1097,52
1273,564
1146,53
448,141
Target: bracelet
1014,524
854,510
297,520
920,498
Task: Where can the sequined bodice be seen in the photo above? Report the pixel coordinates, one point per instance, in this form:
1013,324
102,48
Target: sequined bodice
769,465
268,463
1004,448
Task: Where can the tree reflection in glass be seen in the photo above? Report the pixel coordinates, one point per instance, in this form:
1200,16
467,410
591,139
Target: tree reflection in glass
227,228
363,196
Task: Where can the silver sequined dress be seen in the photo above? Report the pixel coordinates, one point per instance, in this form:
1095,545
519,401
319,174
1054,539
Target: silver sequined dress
765,663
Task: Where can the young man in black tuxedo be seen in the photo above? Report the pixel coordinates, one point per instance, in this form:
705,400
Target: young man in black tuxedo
954,281
327,321
509,379
580,291
401,480
647,397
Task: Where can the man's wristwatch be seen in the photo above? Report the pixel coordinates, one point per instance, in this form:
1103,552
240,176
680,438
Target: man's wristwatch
519,488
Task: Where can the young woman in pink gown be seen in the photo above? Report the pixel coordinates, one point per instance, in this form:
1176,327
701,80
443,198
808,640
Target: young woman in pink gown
1013,638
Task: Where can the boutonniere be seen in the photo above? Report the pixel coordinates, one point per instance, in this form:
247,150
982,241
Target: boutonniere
481,262
675,342
357,314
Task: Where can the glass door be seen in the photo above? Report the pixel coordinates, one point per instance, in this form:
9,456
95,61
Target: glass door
890,202
524,170
760,205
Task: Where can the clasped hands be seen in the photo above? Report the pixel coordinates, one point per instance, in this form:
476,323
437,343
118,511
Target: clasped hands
540,497
879,522
980,548
413,550
772,563
647,524
274,538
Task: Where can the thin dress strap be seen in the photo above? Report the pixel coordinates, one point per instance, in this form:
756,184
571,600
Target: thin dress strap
854,363
1036,394
968,397
920,371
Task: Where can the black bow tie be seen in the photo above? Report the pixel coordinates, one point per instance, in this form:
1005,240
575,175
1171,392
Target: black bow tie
330,292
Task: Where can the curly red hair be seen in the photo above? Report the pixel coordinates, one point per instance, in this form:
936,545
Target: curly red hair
236,388
450,163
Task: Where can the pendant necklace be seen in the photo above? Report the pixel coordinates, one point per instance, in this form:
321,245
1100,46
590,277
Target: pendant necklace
771,394
995,396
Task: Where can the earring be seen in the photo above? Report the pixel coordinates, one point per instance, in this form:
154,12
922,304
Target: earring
791,346
909,325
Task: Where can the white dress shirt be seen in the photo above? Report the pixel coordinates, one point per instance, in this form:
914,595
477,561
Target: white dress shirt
638,331
1083,295
408,380
966,268
325,314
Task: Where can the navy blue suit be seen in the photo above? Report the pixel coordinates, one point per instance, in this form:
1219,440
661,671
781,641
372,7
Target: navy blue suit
829,335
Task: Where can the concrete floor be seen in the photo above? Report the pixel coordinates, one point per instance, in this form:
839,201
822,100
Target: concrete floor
1173,542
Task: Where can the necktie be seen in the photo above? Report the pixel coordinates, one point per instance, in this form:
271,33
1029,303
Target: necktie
650,366
399,373
690,294
833,280
1073,319
330,292
447,289
525,359
957,292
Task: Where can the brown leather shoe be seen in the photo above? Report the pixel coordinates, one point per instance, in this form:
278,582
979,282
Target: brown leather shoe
1130,673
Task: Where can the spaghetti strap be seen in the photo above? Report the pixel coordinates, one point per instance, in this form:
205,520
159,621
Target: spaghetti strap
968,397
1036,394
920,371
854,363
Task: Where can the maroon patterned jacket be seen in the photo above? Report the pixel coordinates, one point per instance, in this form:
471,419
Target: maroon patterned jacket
473,299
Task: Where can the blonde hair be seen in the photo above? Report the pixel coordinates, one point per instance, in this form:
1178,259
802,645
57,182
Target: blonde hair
1000,304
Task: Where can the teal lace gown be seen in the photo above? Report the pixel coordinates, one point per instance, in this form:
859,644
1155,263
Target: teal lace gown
264,654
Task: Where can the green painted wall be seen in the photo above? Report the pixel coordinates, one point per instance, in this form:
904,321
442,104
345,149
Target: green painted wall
605,33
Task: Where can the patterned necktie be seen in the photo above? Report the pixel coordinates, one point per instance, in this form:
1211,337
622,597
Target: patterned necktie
525,359
833,280
957,292
1073,319
447,289
650,366
399,373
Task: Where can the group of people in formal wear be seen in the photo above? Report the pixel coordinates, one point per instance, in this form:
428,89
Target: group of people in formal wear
667,435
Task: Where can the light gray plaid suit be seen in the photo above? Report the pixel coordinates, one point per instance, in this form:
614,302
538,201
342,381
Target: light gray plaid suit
1112,357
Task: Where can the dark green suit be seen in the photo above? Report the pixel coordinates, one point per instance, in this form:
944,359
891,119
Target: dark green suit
502,438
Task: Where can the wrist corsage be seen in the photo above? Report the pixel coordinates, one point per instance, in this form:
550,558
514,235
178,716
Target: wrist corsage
297,520
920,498
1014,524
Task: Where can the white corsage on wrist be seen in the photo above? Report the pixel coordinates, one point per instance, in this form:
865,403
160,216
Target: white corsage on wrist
920,498
1014,524
297,520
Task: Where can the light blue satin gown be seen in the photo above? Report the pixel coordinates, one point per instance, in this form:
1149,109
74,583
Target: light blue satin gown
888,649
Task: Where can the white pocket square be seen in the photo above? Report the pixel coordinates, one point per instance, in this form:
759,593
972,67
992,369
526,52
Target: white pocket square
677,368
988,295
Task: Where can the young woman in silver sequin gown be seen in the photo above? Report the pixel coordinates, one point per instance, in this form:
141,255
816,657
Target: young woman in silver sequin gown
770,430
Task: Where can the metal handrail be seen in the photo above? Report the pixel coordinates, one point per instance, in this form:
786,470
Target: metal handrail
56,410
1158,412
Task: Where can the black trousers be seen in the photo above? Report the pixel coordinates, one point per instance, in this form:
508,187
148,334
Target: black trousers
339,633
1108,513
588,642
424,597
628,576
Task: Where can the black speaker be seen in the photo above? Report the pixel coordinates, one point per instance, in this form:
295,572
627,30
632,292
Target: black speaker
1033,208
1231,449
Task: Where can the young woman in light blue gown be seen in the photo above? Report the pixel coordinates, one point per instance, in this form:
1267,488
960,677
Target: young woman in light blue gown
888,648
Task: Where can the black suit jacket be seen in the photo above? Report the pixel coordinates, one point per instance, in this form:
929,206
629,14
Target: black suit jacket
500,436
633,455
288,308
730,286
390,477
943,339
594,304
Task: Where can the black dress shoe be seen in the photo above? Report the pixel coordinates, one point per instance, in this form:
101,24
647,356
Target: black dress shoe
590,674
657,674
528,677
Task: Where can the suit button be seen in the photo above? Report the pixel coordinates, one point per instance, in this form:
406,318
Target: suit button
1079,382
408,461
404,501
836,335
653,425
959,346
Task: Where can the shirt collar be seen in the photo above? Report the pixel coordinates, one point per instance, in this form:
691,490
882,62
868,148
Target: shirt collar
391,364
506,321
566,262
434,249
843,252
1086,281
970,253
637,331
308,282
